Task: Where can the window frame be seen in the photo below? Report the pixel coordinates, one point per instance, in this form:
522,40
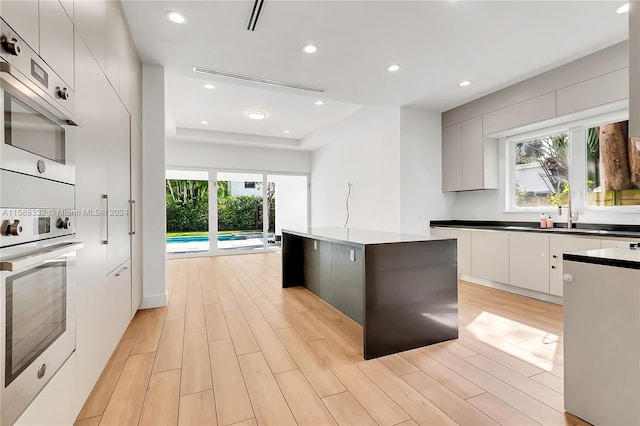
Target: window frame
576,130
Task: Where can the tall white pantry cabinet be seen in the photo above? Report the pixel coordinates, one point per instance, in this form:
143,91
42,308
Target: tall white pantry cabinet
89,45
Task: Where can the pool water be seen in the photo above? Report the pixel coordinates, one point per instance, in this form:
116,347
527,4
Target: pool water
205,238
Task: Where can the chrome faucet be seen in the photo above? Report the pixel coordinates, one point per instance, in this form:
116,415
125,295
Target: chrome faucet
570,215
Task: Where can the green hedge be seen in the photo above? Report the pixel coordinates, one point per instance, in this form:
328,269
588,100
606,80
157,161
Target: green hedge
242,212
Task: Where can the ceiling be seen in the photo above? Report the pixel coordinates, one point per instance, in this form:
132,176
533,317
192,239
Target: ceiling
437,44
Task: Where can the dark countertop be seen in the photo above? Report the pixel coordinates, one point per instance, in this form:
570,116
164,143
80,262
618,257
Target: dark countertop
621,257
592,229
358,237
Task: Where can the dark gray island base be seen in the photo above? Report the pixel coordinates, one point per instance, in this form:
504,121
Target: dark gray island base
403,289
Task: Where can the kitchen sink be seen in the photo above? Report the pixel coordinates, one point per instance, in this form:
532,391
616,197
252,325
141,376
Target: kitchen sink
561,230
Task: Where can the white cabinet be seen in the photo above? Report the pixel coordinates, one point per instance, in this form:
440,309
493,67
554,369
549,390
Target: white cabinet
22,16
136,219
90,19
464,250
452,158
56,39
560,244
490,255
440,232
597,91
530,111
118,190
117,50
469,160
619,242
463,238
529,261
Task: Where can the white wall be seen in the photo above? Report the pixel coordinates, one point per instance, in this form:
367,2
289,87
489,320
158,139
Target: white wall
291,202
181,153
421,197
154,292
363,149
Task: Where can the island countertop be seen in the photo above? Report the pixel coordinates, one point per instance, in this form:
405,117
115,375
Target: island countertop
621,257
358,237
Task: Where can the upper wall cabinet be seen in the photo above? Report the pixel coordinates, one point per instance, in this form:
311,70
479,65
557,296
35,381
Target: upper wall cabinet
530,111
601,90
469,160
56,39
22,16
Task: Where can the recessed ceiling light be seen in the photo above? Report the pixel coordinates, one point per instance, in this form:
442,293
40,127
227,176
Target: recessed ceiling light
287,131
319,103
309,48
623,9
256,115
209,86
203,122
176,17
465,83
393,67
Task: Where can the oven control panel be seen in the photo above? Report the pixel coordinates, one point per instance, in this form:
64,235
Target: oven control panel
18,226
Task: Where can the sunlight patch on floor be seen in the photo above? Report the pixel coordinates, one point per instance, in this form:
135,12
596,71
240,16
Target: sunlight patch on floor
545,351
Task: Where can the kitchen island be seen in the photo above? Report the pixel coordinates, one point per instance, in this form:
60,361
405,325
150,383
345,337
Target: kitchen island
403,289
602,335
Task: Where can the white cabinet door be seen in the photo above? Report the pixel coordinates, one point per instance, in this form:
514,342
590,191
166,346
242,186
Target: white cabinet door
558,245
529,261
618,242
136,218
118,183
56,39
440,232
530,111
90,19
22,16
452,158
472,154
464,250
117,49
604,89
490,255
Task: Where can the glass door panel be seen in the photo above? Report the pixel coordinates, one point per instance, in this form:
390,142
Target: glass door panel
187,194
240,211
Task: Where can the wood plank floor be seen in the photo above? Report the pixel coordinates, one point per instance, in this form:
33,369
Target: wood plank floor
232,347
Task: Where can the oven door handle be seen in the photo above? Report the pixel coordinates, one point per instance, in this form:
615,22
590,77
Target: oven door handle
40,257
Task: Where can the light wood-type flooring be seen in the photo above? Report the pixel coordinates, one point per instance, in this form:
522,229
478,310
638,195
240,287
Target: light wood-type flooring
234,348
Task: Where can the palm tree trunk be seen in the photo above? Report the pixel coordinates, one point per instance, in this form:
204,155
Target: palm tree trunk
614,157
634,161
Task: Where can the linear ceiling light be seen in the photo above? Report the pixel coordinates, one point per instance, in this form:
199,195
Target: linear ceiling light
258,80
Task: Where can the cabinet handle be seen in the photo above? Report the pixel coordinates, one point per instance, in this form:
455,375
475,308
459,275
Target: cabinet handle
121,271
132,217
105,199
567,278
553,267
554,256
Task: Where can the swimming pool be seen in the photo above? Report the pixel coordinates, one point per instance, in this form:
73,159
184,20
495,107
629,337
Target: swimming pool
205,238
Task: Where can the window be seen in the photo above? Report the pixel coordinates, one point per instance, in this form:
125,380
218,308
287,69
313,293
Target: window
541,170
613,166
595,156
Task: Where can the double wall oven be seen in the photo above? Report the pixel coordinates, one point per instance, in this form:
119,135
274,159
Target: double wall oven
37,235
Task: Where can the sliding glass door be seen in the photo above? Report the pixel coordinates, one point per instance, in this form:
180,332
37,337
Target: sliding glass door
247,211
187,209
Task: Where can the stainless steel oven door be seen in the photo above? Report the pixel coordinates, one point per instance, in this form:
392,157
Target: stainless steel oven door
37,139
38,323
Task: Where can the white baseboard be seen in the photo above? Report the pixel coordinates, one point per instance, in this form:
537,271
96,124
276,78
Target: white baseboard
155,301
512,289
